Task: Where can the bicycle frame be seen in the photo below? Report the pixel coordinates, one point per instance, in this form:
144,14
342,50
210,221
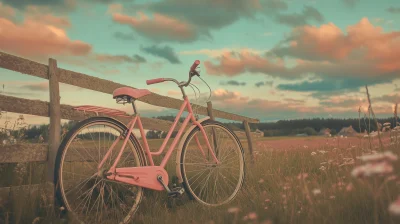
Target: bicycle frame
185,104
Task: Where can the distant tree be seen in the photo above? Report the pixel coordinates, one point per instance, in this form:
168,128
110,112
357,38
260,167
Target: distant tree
310,131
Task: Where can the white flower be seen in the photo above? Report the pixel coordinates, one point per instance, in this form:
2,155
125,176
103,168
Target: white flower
316,191
386,124
394,208
322,168
388,155
371,169
322,151
313,153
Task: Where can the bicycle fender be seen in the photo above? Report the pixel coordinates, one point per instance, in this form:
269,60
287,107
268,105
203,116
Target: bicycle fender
180,147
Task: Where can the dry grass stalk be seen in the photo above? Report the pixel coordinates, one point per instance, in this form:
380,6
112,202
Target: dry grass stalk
376,122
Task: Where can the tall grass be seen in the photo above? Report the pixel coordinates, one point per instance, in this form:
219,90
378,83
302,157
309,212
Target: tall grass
327,184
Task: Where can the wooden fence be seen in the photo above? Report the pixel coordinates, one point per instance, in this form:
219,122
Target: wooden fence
56,112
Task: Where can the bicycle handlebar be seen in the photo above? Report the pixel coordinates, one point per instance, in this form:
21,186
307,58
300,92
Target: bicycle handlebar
192,72
194,66
154,81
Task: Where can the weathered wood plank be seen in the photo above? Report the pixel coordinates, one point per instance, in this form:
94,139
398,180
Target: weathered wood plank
249,139
13,196
20,153
55,119
25,66
41,108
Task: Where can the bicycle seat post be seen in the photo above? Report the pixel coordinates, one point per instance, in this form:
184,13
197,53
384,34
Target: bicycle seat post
134,106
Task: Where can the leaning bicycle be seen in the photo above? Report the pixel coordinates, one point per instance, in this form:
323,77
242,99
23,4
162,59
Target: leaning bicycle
102,169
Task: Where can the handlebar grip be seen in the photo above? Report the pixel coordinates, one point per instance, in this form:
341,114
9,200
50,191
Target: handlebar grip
154,81
195,64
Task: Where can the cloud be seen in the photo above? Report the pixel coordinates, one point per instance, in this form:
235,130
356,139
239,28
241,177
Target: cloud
260,108
299,19
23,3
124,36
185,21
329,84
219,52
364,55
159,28
389,98
42,86
135,59
219,13
45,6
34,13
34,39
115,8
233,83
173,93
6,11
350,3
393,9
165,52
268,83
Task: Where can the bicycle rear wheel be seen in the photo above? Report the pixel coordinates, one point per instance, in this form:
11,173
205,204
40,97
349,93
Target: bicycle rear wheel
211,184
87,193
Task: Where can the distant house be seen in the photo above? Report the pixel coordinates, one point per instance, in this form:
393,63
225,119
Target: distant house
348,131
325,132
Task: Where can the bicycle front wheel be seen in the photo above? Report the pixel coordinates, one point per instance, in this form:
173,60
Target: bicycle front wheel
86,192
211,184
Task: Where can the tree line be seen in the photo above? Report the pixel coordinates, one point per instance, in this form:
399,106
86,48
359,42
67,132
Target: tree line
279,128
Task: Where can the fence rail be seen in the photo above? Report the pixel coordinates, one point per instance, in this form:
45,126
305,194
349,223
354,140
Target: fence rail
56,111
28,67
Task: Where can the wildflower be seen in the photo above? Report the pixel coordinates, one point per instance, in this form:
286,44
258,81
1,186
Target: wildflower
252,216
306,147
267,200
233,210
322,151
394,208
388,155
302,176
332,197
349,187
373,134
372,169
316,191
322,168
313,153
386,124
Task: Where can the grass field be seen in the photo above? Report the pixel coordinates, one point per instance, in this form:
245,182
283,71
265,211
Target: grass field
293,180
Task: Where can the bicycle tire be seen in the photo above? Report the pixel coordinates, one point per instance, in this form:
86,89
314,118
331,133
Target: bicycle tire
185,183
67,139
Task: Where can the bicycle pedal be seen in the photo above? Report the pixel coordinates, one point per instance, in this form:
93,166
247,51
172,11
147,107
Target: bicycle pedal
176,192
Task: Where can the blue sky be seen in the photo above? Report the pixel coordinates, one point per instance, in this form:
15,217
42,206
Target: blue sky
309,58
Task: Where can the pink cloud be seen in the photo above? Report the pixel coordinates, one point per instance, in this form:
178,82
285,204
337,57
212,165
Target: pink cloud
36,39
160,27
364,50
45,16
6,11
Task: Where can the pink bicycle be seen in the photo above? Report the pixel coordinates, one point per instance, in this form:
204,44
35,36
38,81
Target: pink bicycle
99,183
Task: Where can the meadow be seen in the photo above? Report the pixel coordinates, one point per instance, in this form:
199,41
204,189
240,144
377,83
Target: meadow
293,180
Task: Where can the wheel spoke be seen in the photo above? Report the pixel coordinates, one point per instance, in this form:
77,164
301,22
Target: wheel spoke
209,183
87,193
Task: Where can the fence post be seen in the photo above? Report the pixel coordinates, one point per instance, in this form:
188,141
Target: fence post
249,140
54,128
210,114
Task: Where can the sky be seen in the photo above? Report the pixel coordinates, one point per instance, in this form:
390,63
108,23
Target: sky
266,59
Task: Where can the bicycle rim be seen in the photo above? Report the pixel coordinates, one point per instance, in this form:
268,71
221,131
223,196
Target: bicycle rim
86,193
213,185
